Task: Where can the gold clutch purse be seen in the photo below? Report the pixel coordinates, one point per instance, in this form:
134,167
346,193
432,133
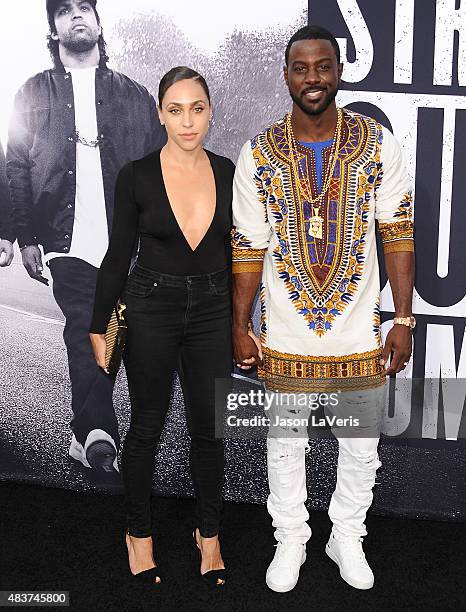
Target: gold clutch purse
115,339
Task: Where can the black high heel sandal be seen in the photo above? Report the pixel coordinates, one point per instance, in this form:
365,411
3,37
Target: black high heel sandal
148,576
212,577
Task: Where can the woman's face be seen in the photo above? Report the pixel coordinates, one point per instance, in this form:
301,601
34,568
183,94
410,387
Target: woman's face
186,112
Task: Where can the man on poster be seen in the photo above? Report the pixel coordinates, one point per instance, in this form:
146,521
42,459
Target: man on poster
72,129
307,194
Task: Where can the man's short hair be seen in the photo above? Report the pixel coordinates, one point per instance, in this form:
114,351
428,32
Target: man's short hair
313,32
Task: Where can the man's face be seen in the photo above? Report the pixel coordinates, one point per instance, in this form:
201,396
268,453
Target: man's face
312,75
76,25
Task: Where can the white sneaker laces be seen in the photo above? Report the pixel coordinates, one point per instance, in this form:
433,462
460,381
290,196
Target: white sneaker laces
288,554
354,547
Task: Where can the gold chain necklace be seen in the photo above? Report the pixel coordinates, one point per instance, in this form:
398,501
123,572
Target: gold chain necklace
304,187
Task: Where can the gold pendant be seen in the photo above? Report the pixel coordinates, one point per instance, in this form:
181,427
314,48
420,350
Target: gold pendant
315,224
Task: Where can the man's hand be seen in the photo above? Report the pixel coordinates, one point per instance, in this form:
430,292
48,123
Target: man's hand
247,349
99,346
32,261
6,253
398,347
246,345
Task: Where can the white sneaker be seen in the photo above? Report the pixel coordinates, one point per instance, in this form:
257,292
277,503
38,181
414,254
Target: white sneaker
348,554
99,451
283,573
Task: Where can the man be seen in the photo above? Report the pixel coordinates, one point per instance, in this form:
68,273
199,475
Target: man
7,237
307,193
73,128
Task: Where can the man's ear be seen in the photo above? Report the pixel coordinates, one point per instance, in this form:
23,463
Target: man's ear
340,70
54,36
285,75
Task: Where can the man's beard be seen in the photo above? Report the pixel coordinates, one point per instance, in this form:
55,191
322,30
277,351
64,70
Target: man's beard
80,44
317,110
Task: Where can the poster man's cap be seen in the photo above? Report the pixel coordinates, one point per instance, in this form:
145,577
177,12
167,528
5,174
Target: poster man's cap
52,6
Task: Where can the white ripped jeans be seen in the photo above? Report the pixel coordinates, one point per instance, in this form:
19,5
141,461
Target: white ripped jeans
358,462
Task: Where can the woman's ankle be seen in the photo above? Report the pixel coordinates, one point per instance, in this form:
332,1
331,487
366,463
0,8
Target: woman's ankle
206,539
137,539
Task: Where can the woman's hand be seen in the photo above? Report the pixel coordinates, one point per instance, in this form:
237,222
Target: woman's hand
257,342
99,347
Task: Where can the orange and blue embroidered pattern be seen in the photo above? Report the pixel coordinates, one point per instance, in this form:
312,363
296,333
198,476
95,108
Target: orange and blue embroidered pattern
321,275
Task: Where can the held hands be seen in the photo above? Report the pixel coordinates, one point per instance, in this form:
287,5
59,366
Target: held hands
99,347
247,349
6,253
398,347
32,261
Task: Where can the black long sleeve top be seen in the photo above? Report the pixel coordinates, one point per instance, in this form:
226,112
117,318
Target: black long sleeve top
142,209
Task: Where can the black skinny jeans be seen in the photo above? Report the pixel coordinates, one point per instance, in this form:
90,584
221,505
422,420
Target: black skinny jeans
178,323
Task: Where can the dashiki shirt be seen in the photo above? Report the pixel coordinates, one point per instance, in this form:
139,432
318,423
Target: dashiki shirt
319,298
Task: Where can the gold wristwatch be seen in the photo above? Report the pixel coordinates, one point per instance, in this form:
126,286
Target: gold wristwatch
408,321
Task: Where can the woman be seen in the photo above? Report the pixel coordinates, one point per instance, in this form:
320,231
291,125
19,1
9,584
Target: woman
178,310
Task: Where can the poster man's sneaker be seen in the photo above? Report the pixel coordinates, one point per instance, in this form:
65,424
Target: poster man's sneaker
99,451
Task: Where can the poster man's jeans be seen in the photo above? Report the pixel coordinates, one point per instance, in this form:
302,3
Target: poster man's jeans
178,323
357,464
74,282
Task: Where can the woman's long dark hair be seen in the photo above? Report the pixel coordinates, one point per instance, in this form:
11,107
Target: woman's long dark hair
180,73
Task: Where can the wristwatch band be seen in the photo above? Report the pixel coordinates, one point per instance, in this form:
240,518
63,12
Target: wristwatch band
408,321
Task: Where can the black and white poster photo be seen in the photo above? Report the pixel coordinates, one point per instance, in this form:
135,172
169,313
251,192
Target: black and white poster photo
78,105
